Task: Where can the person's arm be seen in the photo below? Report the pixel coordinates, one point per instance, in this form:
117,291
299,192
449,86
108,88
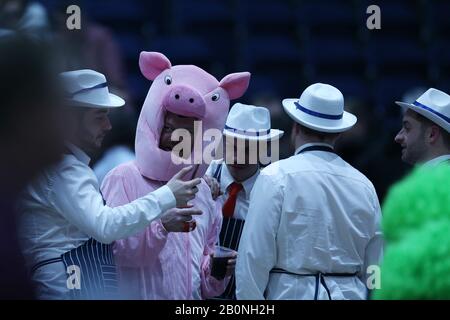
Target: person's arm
139,249
74,193
210,286
374,249
258,246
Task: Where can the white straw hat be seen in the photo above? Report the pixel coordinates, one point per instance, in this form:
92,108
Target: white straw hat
434,105
88,88
321,108
250,122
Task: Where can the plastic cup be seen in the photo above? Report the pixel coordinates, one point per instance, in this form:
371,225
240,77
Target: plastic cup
220,261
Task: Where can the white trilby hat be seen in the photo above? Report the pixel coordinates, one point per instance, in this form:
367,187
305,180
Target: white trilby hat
251,123
321,108
89,88
434,105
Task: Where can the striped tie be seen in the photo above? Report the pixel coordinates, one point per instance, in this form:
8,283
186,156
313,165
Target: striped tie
230,204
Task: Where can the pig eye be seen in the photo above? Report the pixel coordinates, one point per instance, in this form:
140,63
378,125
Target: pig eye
215,97
168,80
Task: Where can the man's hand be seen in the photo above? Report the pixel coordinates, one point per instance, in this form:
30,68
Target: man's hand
183,191
231,265
175,220
213,185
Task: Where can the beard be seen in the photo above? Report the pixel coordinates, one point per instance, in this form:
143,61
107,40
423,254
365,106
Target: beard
414,153
89,142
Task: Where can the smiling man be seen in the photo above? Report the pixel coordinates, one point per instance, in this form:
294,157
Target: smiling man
172,122
247,130
425,133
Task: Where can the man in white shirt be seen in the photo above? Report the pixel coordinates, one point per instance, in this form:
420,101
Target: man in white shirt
313,225
425,133
247,130
65,228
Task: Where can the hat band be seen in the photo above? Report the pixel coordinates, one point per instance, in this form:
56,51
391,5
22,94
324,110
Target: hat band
248,133
98,86
318,114
440,115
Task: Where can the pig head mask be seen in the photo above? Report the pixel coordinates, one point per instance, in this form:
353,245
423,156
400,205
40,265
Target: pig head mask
185,90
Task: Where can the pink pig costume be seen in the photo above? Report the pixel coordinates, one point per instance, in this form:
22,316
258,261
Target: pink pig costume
155,264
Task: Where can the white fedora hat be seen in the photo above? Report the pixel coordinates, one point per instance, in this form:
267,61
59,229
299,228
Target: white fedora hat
321,108
434,105
251,123
88,88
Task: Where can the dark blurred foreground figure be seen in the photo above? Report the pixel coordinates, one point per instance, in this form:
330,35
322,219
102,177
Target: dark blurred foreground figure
30,139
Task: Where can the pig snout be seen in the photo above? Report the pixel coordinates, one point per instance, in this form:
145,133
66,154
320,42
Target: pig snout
185,101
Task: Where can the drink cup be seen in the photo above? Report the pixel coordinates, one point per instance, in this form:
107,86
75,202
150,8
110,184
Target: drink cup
220,261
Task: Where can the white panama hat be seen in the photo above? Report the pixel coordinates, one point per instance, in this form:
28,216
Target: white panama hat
321,108
251,123
434,105
89,88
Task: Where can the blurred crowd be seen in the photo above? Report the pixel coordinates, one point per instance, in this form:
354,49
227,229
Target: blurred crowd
97,46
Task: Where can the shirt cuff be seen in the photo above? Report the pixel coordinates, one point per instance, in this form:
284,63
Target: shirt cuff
165,197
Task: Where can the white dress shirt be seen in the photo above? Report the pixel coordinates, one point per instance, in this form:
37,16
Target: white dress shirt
437,160
112,158
310,213
243,197
63,208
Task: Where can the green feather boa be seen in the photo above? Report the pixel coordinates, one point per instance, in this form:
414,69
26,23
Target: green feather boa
416,226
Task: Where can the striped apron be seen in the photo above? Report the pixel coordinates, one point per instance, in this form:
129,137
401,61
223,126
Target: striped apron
97,271
230,235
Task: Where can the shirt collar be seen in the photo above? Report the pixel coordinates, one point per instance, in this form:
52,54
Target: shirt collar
306,145
78,153
437,160
226,179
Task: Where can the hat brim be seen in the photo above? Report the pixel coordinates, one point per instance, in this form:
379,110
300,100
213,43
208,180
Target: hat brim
427,114
318,124
114,102
274,134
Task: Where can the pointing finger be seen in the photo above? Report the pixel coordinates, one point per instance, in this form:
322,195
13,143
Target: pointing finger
180,174
192,212
193,182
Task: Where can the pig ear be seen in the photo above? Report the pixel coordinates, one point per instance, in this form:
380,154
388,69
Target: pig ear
152,64
235,84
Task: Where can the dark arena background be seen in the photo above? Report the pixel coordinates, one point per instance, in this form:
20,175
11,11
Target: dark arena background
285,45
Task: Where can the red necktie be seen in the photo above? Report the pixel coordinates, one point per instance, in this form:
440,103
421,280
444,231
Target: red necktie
228,206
